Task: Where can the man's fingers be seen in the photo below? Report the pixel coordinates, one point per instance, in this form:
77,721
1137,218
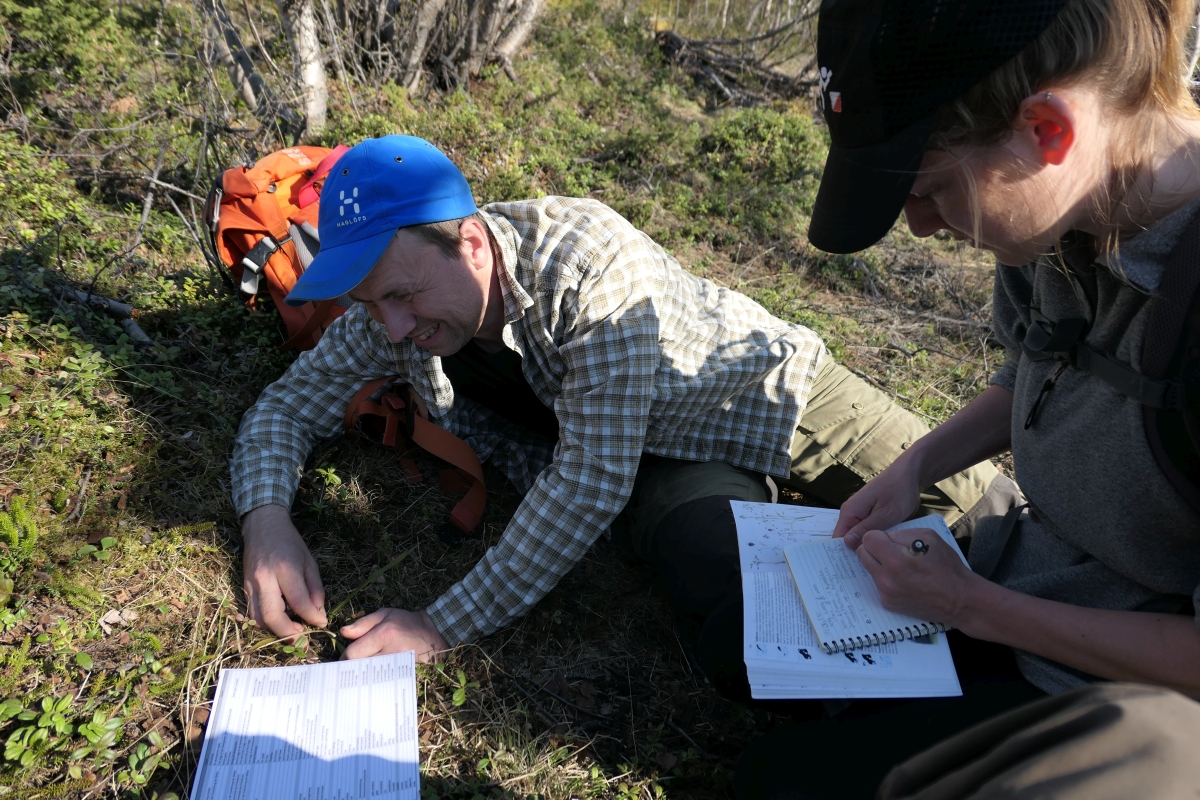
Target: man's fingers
856,508
360,626
273,615
431,656
846,522
252,610
316,593
365,647
296,593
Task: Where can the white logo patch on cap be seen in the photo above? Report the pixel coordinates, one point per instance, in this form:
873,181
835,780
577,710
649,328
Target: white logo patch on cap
823,79
346,201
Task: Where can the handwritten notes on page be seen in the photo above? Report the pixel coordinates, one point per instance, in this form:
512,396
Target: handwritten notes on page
340,731
783,658
840,595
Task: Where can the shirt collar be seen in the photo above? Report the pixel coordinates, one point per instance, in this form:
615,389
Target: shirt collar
516,299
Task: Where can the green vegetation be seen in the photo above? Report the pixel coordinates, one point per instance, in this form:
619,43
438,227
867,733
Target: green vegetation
119,574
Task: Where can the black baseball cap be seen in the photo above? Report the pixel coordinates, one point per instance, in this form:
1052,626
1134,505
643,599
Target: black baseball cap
886,67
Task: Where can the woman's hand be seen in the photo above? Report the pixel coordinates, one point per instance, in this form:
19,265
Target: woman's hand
934,585
888,499
391,630
977,432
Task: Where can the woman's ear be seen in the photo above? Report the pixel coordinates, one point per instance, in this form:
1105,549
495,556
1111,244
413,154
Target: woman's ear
1047,124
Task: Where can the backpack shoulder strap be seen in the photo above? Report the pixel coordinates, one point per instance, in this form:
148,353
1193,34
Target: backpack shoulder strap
1172,348
1180,280
400,419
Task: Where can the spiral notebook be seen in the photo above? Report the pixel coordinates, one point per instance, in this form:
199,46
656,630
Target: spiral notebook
840,595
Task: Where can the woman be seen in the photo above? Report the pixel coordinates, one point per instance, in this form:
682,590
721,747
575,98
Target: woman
1061,137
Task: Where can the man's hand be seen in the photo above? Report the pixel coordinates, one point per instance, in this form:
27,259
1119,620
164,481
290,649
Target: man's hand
888,499
278,568
935,585
390,630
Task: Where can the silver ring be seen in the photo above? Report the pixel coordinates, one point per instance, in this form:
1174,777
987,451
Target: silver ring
918,547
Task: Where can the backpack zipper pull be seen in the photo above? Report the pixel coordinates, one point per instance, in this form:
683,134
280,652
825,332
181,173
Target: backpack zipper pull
1046,387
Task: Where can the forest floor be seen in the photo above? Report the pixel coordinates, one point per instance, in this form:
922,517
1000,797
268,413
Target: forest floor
120,588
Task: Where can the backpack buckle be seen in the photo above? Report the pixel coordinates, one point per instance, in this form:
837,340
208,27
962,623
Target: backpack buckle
217,194
1046,338
254,261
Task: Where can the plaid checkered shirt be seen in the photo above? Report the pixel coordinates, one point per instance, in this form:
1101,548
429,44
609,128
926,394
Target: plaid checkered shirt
632,353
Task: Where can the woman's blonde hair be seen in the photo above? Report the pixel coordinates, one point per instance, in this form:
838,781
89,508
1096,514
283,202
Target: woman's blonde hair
1133,51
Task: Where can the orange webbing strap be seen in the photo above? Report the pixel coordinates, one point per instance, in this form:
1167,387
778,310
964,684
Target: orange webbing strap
320,316
448,447
404,422
393,420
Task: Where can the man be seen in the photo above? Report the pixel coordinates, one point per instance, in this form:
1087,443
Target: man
571,350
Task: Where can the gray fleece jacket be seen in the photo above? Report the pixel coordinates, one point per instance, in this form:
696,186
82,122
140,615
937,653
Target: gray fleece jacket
1105,528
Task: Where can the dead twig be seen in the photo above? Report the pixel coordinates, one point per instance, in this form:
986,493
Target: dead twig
568,703
517,683
671,724
77,511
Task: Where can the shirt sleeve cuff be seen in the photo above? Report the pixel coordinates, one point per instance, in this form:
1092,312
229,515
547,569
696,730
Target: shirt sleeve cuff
457,628
249,498
1006,376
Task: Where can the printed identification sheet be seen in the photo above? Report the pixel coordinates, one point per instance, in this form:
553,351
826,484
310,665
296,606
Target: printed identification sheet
313,732
783,658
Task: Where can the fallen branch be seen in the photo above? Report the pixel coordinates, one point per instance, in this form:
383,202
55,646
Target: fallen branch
122,311
744,77
114,307
172,187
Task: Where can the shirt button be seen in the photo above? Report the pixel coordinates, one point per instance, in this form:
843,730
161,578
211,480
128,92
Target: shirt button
905,445
856,406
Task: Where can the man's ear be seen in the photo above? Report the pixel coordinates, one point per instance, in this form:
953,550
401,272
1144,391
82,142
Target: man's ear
476,246
1047,123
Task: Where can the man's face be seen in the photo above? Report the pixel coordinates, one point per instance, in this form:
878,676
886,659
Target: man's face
419,293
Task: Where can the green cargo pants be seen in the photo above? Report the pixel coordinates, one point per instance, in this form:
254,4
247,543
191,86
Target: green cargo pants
849,433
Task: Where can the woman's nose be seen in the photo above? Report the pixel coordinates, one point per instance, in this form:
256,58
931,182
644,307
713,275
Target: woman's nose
922,216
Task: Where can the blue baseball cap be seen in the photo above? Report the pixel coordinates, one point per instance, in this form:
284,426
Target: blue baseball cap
377,187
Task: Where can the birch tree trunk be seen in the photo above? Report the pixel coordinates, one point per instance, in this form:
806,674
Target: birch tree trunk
240,70
426,19
519,30
371,42
300,19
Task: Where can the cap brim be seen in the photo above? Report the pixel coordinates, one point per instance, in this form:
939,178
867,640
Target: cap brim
864,189
339,269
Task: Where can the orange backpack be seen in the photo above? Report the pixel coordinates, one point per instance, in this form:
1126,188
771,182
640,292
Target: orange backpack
263,223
